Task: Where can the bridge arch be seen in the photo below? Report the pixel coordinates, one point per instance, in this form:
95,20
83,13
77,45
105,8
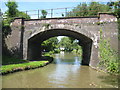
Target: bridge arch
34,43
24,32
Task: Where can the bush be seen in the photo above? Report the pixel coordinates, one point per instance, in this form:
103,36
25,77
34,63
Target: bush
56,51
108,56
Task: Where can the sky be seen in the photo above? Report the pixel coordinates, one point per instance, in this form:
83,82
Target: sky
59,0
23,6
26,5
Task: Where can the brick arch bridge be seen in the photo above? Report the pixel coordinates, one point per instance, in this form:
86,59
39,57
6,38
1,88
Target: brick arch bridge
27,35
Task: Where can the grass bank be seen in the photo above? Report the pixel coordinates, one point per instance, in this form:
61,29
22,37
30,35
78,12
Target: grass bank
11,64
5,69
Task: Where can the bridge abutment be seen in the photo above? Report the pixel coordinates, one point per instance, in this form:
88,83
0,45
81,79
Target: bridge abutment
85,29
86,49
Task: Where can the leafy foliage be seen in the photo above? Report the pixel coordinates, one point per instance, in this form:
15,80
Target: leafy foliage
13,11
22,15
91,9
70,44
12,8
116,7
50,44
10,14
44,13
108,56
66,43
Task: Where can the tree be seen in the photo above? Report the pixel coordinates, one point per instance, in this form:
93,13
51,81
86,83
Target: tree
23,15
12,8
10,14
70,45
115,6
13,11
94,8
91,9
50,44
81,10
66,43
44,13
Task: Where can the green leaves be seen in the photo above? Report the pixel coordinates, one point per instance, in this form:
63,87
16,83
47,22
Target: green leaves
22,15
70,44
50,44
44,13
12,8
91,9
108,56
13,12
66,43
116,7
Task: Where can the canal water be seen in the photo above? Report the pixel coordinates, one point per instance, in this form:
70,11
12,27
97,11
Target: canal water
64,72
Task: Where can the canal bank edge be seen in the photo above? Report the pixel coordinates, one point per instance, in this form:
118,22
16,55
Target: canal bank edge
26,66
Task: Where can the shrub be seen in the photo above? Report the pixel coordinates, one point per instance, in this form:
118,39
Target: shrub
108,56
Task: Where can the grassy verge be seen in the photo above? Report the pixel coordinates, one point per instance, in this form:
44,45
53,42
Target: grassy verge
23,66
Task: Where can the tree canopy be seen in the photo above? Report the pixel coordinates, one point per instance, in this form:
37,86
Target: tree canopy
116,7
50,44
12,8
91,9
69,44
44,13
13,11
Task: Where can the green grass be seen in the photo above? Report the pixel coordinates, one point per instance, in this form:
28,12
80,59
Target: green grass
22,66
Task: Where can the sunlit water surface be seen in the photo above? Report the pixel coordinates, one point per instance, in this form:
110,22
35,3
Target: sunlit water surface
64,72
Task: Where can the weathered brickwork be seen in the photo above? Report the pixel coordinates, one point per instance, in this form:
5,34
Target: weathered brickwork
27,35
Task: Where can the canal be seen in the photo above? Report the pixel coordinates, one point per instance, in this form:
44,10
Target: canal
64,72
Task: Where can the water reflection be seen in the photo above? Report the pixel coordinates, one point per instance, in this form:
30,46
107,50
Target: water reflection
77,61
66,59
64,72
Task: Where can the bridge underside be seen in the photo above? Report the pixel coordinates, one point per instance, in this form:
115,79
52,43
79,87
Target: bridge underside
34,43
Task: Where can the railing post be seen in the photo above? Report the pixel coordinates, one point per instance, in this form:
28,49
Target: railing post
65,11
51,13
26,14
38,14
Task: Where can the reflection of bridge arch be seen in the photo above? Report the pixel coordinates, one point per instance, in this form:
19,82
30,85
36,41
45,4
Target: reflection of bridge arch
35,41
